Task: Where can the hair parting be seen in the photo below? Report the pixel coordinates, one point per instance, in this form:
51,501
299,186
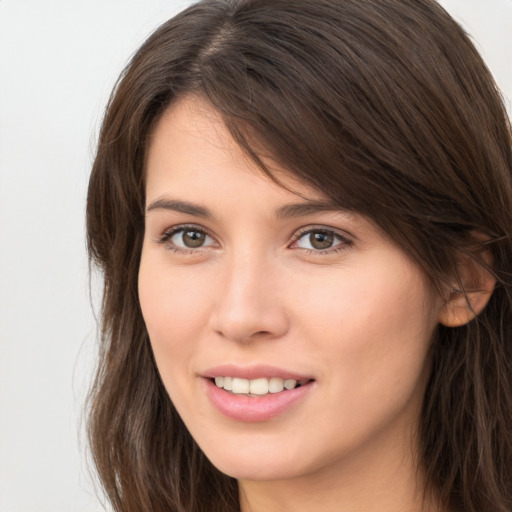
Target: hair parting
387,108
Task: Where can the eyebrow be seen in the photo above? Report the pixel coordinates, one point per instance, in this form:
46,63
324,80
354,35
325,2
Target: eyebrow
284,212
306,208
180,206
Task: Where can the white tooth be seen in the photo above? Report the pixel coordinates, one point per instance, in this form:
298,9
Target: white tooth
240,386
258,386
290,383
219,381
275,385
228,383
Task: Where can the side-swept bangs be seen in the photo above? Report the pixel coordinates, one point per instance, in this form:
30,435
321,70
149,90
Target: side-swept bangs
387,108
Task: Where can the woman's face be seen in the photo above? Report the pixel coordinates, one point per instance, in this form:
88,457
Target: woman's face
247,286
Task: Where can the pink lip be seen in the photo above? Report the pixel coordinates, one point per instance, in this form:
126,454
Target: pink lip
254,408
252,372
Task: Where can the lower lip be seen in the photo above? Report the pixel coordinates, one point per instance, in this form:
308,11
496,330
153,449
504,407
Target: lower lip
257,408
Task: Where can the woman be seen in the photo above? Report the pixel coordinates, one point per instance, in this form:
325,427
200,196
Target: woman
302,212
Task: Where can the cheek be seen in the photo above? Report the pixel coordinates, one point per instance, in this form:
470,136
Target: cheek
375,326
174,307
371,336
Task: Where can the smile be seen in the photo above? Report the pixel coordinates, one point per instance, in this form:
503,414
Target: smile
257,387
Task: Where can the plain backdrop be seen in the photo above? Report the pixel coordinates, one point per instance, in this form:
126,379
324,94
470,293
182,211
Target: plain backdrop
58,61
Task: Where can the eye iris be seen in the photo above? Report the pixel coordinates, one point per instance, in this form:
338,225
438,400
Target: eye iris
321,240
193,238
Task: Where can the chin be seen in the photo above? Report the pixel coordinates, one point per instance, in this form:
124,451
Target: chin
251,470
261,461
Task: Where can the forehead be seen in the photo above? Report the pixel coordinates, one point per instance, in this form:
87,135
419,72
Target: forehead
191,144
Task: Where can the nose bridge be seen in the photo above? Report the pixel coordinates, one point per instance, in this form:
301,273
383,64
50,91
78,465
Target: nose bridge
250,304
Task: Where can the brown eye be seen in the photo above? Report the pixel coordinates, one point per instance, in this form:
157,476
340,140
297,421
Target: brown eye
189,238
193,238
320,240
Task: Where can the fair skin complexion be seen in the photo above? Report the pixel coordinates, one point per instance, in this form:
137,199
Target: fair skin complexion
232,275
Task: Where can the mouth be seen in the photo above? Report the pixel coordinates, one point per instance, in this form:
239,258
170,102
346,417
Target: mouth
257,387
256,392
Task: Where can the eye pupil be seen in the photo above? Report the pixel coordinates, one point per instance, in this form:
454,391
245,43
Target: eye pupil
321,240
193,238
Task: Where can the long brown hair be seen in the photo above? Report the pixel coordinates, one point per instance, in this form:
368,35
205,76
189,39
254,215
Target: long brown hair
386,107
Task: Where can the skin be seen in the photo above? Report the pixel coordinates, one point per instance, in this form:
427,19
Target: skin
357,317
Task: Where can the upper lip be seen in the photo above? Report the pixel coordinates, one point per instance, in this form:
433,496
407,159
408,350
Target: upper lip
253,371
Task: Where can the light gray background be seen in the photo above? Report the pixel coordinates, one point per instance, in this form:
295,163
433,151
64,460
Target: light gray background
58,62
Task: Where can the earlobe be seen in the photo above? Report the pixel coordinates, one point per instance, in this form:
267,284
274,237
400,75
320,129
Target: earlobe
463,305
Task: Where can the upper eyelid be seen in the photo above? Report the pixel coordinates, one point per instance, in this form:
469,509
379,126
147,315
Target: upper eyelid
296,235
166,235
165,239
299,231
180,227
328,229
345,239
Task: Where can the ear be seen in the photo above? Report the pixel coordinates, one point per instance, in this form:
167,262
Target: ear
470,294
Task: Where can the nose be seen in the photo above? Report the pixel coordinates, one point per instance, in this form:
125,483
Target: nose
250,305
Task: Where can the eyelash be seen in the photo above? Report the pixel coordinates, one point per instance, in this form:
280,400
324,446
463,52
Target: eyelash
343,245
344,241
166,237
